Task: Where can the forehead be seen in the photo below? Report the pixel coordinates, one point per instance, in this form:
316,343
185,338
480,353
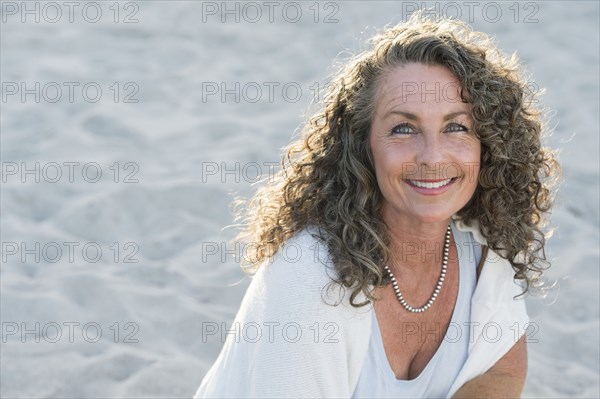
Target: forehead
415,85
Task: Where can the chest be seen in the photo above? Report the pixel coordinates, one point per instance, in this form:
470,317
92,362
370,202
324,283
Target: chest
410,340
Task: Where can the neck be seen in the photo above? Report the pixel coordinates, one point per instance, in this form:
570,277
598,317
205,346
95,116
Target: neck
415,244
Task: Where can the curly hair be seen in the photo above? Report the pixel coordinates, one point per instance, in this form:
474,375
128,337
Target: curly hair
327,177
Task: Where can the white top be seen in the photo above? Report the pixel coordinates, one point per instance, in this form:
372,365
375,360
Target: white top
307,348
377,379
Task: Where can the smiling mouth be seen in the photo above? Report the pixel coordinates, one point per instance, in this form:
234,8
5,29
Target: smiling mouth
430,183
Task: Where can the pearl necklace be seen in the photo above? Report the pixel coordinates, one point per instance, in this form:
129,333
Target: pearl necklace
437,287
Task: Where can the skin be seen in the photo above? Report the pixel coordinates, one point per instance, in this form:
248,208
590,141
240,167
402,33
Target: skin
422,132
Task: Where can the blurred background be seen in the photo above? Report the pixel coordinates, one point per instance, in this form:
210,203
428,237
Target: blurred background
127,128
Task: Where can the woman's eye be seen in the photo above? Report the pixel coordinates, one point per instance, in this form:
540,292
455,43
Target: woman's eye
403,128
456,127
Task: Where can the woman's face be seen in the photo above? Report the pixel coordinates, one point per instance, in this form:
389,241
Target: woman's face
426,154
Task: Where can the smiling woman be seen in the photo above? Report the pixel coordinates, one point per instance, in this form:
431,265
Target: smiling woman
416,198
425,150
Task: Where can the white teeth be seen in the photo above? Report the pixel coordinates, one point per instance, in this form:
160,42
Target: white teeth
436,184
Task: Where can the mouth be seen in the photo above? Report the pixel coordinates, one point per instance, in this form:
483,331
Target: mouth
431,187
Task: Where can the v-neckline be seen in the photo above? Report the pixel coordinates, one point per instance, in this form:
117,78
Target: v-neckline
386,367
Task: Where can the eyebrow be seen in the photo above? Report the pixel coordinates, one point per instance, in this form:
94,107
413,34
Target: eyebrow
416,118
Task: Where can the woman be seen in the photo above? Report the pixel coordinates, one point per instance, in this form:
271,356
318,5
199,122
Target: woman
388,250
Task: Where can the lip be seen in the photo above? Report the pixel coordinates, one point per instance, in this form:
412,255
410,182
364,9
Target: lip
431,191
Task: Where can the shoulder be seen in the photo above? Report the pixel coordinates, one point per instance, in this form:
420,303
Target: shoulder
496,264
495,304
301,337
470,227
496,283
299,281
301,268
303,262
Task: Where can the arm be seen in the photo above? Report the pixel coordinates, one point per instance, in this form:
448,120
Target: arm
504,380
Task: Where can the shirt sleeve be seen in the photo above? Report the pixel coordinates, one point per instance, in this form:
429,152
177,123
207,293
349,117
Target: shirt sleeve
296,338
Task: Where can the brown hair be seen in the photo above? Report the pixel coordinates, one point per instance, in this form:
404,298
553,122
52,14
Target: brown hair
327,179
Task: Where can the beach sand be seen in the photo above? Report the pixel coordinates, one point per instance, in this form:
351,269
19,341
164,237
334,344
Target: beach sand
114,252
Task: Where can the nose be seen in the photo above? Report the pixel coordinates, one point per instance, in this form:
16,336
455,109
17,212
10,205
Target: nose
431,153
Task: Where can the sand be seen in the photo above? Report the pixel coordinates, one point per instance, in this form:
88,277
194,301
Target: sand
107,280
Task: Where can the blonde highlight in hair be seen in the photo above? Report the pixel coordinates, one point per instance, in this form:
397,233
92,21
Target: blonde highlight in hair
327,179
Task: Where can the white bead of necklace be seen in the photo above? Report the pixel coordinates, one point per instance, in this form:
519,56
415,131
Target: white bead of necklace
438,286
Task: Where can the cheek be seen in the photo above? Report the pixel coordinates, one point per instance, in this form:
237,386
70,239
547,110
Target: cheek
476,152
392,162
471,158
469,151
384,156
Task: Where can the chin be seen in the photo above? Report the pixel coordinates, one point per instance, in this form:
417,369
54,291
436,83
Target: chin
434,216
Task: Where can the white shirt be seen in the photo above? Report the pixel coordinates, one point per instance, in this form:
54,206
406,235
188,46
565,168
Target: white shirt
307,348
377,379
